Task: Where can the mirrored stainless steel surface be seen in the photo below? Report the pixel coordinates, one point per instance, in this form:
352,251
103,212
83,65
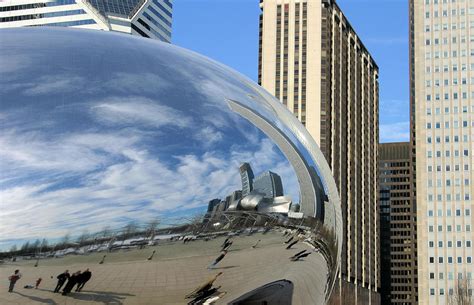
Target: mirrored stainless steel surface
171,177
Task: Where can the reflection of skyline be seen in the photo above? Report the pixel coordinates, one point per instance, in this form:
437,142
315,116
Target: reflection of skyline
89,152
266,189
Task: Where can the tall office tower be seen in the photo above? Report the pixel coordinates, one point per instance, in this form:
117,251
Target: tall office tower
147,18
313,61
397,225
269,184
246,176
442,94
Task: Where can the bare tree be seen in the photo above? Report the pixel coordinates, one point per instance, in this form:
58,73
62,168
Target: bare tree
105,232
65,240
152,226
195,222
462,293
82,239
129,230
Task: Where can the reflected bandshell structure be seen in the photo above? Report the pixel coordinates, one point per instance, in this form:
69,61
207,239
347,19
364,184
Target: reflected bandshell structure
141,160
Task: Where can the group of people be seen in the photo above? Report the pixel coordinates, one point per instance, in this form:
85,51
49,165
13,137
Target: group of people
78,278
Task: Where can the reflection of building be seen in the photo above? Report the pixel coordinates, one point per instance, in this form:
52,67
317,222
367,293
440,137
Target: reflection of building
268,184
313,61
147,18
265,196
397,226
441,105
246,175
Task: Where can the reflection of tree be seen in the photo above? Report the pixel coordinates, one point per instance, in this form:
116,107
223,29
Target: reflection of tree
152,226
462,293
82,239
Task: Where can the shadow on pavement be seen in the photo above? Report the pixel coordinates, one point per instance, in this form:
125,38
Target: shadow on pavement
105,297
36,299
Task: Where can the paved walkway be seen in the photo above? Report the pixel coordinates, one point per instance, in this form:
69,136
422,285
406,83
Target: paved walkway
127,277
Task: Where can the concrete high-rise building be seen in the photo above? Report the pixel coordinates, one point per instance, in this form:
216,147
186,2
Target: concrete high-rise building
246,176
269,184
314,62
397,226
147,18
442,127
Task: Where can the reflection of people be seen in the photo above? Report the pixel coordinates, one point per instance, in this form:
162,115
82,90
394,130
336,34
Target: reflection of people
218,259
300,255
71,282
291,244
227,245
61,280
83,278
13,279
203,288
38,281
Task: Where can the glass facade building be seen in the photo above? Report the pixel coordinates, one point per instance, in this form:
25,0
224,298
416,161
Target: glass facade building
146,18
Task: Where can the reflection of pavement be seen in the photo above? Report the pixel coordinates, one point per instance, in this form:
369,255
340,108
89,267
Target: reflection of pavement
176,269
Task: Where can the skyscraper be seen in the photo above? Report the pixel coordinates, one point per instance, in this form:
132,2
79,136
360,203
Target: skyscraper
147,18
246,176
269,184
397,225
314,62
442,108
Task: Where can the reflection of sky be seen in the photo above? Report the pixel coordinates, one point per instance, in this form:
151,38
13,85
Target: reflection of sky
98,129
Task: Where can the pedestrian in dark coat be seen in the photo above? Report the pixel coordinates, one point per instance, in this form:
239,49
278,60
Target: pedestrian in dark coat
83,278
62,278
71,282
13,279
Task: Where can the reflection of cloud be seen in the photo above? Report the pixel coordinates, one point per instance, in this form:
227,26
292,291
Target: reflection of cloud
86,180
54,84
138,110
135,83
209,135
395,132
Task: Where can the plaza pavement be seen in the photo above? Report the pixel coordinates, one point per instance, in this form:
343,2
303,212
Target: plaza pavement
127,277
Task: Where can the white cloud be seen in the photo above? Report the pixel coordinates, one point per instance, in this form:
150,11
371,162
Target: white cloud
54,84
395,132
138,110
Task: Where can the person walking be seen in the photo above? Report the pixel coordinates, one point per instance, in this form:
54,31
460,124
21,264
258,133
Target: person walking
82,279
13,279
38,282
62,278
218,259
71,282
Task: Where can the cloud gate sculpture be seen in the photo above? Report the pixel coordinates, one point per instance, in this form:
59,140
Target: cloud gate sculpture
169,176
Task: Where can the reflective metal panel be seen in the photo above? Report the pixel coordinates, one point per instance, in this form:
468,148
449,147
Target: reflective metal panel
135,159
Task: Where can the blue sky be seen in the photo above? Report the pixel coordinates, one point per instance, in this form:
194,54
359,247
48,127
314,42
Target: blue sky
227,31
87,143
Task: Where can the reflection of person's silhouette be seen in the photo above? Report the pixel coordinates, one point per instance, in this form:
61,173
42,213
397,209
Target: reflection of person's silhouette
256,244
300,255
71,282
83,278
227,245
151,256
218,259
204,288
291,244
103,259
61,280
289,240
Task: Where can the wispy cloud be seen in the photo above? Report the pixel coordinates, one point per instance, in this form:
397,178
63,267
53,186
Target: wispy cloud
138,110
